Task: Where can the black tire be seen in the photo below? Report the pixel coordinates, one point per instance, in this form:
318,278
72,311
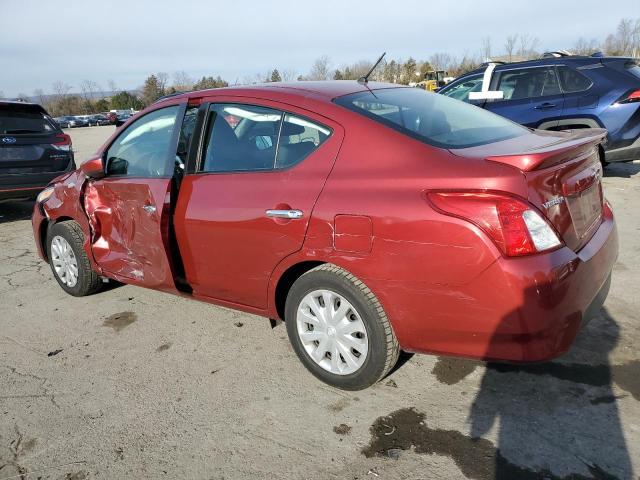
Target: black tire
88,281
383,348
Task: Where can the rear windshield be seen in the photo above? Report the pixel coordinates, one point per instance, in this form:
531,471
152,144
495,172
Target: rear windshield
16,122
432,118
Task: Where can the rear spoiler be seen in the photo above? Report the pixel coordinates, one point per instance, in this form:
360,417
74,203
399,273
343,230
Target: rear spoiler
578,143
22,107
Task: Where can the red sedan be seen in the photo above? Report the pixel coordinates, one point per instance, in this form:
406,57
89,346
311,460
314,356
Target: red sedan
370,217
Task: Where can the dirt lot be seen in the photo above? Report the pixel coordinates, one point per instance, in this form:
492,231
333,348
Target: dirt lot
132,383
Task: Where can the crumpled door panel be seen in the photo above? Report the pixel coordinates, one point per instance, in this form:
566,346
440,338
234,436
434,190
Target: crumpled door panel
127,239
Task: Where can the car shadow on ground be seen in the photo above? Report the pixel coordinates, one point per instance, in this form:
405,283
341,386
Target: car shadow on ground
556,420
11,211
622,169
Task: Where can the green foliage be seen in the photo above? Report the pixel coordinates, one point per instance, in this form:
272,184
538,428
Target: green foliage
209,82
125,100
152,90
275,76
102,105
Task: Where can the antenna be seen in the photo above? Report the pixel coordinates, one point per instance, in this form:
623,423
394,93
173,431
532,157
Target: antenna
365,79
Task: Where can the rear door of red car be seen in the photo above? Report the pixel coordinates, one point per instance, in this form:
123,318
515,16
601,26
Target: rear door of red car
129,209
247,204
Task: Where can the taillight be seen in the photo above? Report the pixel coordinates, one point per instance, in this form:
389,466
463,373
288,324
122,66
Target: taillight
63,143
631,97
514,225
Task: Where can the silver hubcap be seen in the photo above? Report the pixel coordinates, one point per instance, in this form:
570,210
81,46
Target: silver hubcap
332,332
64,261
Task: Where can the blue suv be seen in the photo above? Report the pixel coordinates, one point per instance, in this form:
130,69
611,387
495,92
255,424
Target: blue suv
561,92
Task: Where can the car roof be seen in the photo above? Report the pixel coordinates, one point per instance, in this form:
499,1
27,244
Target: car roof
325,90
560,60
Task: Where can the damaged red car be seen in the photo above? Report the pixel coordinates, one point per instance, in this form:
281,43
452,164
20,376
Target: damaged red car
371,218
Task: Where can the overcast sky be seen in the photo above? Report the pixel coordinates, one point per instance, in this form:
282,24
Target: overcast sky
42,41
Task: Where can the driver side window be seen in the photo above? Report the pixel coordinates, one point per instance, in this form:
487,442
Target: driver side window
142,150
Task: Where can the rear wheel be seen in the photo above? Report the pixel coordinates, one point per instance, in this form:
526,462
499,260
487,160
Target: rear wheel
69,262
339,330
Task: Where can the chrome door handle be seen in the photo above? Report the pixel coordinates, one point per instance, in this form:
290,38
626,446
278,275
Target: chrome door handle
149,208
291,214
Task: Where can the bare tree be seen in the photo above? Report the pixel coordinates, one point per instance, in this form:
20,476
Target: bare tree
441,61
40,96
320,69
61,89
112,85
89,89
486,48
624,36
635,39
288,75
182,81
162,78
528,45
255,78
1,94
510,45
465,64
586,47
626,39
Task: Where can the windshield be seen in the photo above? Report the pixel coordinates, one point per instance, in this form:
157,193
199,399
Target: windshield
16,122
432,118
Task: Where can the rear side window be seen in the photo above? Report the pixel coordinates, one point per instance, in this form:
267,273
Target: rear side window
298,138
432,118
633,68
528,83
253,138
17,122
573,81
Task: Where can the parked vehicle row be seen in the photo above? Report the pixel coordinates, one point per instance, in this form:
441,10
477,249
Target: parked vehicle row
561,92
370,217
108,118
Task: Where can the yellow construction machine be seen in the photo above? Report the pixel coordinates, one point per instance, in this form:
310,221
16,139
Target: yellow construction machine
433,80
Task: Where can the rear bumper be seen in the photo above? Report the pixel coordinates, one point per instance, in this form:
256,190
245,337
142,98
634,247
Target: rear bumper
624,154
525,309
27,185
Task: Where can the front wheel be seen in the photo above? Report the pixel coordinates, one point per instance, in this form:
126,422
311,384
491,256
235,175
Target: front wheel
68,260
339,330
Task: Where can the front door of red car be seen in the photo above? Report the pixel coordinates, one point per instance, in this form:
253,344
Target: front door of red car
248,204
129,208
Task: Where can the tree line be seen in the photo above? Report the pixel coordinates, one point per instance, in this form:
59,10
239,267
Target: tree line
625,41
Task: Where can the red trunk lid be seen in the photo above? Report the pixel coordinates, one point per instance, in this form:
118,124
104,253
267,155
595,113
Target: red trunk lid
562,173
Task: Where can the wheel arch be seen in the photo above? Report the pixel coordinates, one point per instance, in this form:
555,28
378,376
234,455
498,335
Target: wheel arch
286,281
569,123
44,230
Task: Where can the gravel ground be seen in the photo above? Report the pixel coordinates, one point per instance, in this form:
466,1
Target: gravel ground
131,383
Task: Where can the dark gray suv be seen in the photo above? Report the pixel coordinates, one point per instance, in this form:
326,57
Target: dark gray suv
33,150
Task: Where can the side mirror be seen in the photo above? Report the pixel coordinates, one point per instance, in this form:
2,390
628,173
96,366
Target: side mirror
93,168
